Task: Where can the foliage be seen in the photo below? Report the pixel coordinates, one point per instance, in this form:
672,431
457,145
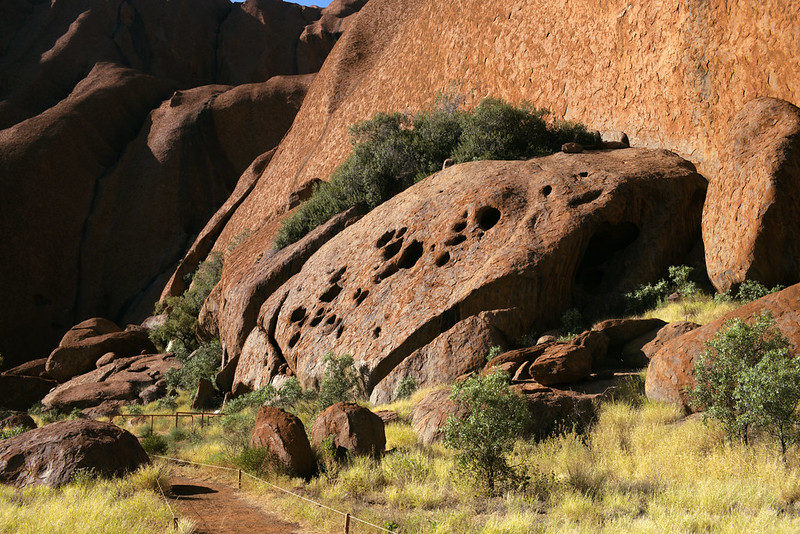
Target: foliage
751,290
494,416
649,296
572,322
153,443
182,311
746,379
405,388
202,363
494,352
10,432
393,151
341,382
259,397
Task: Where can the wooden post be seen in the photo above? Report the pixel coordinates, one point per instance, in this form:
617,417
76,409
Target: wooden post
347,524
152,417
176,419
175,523
240,479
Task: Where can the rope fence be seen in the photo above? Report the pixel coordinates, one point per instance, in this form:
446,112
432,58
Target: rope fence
347,517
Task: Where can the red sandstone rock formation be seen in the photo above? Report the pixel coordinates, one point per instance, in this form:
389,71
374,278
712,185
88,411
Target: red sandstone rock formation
671,369
498,246
354,430
284,436
52,454
751,229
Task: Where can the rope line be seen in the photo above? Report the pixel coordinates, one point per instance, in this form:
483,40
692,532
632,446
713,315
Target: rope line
171,511
270,484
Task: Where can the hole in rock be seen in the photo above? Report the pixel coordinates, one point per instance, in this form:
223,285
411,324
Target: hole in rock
465,215
387,272
331,293
455,240
546,190
606,243
376,332
410,256
294,340
360,298
338,275
459,226
442,259
315,321
385,238
585,198
392,249
488,217
339,331
583,174
331,319
401,232
298,315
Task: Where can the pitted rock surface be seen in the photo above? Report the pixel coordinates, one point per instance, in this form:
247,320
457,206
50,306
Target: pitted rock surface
671,370
751,229
506,243
50,455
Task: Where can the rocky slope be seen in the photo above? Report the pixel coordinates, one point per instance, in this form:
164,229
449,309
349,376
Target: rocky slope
124,125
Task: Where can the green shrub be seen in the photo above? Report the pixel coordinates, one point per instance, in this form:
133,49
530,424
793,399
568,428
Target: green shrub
748,380
405,388
182,312
494,416
202,363
393,151
154,444
341,381
649,296
10,432
751,290
571,322
259,397
494,352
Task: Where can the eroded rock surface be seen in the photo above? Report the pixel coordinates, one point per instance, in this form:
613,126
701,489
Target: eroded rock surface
284,435
671,370
751,229
51,455
489,248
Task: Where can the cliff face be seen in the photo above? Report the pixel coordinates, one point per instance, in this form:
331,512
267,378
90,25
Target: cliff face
670,74
121,133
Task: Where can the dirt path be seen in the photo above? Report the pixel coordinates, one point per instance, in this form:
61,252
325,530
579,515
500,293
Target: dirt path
219,509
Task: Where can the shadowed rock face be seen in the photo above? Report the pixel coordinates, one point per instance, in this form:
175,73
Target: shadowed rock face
501,246
116,148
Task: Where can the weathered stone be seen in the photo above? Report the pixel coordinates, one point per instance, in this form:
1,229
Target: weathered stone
154,392
547,338
224,378
751,230
74,359
96,326
284,436
105,359
671,371
52,454
388,416
204,395
18,420
124,379
614,139
32,368
572,148
354,429
667,334
550,407
596,342
480,240
620,331
430,415
561,363
22,392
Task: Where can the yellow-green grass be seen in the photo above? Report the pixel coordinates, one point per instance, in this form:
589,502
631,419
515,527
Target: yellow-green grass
700,309
129,505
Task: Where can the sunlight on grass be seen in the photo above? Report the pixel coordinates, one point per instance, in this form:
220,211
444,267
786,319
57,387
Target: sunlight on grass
700,309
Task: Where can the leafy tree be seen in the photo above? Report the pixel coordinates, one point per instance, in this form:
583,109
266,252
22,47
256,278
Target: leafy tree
748,380
751,290
493,418
341,382
202,363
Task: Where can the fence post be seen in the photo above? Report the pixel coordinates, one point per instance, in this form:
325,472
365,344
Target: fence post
240,479
176,419
152,417
347,524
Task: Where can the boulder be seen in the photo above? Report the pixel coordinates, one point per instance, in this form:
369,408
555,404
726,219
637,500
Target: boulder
596,342
388,416
671,371
353,428
52,454
614,139
284,436
124,379
430,415
665,335
18,420
204,395
468,253
32,368
22,392
751,208
154,392
96,326
621,331
550,407
74,359
561,363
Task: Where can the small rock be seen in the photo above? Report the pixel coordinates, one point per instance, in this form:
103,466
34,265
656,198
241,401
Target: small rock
572,148
430,415
204,395
354,429
21,419
284,435
614,139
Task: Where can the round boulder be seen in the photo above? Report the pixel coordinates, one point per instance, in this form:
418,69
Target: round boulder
353,428
51,455
284,435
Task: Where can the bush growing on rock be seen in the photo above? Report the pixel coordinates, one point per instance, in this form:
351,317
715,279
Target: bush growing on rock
649,296
493,418
341,382
202,363
748,380
393,151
